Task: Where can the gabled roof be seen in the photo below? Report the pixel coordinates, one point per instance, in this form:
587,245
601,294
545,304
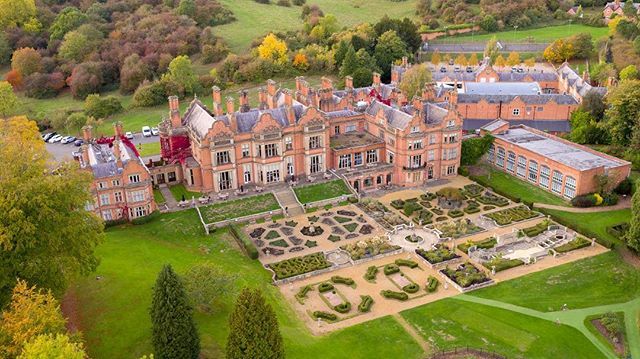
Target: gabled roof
395,118
527,99
502,88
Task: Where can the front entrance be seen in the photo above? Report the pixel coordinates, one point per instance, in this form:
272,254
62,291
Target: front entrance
388,178
356,185
160,178
430,173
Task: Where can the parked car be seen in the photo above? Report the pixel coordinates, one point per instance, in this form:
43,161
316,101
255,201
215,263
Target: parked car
129,135
78,142
47,136
55,139
443,69
68,139
155,131
146,131
457,69
469,69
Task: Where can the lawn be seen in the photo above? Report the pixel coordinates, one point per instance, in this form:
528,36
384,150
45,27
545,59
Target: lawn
505,183
148,149
539,35
593,224
451,323
320,191
113,312
239,208
158,196
600,280
178,191
255,19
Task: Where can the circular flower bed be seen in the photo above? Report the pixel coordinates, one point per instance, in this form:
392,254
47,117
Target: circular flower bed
413,238
316,231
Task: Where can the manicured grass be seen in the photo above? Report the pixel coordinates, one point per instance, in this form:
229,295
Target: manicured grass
320,191
179,190
113,312
148,149
540,35
158,196
506,183
604,279
239,207
594,223
259,19
451,323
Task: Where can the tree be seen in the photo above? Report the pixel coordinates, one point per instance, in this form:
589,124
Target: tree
87,78
253,329
489,23
559,51
414,79
513,59
187,8
585,129
8,100
632,237
14,13
26,61
182,74
46,235
341,52
70,18
39,85
593,102
629,73
500,61
174,333
629,10
75,47
623,112
473,59
5,49
32,312
350,63
435,58
132,73
101,107
474,148
273,49
205,283
389,48
49,346
461,60
491,49
530,62
582,44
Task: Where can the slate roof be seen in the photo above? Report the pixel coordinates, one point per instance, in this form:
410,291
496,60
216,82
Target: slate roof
432,113
527,99
582,87
502,88
494,125
395,117
542,125
520,77
103,161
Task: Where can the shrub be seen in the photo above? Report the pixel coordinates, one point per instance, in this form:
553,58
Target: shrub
609,199
463,171
343,307
406,263
389,294
618,230
150,94
409,207
146,219
391,269
302,293
286,3
423,216
625,187
586,200
450,193
342,280
455,213
470,210
365,303
432,284
299,2
483,244
428,196
325,287
501,264
371,273
579,242
101,107
397,203
299,265
324,315
537,229
272,235
488,208
40,85
244,241
411,288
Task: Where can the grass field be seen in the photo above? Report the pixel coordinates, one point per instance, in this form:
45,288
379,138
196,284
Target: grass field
239,208
450,323
148,149
539,35
179,190
320,191
254,20
599,280
158,196
596,222
504,182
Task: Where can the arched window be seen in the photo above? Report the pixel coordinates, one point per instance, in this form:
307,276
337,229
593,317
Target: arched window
556,182
511,162
522,166
533,171
500,157
570,187
545,173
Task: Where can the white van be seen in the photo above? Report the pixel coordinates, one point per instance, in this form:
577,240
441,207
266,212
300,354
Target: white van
146,131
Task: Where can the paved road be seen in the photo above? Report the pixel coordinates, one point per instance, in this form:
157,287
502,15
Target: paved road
479,47
63,152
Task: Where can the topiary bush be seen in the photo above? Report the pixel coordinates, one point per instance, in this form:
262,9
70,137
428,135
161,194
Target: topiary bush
585,200
302,293
411,288
343,307
389,294
371,274
325,287
342,280
326,316
406,263
391,269
365,303
432,284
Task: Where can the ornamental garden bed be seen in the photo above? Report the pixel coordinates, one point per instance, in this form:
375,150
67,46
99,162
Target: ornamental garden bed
439,254
423,217
483,244
511,215
369,247
501,264
537,229
472,190
579,242
610,327
465,275
239,208
299,265
458,228
489,198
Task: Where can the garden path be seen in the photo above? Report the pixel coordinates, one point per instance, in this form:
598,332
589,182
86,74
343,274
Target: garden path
168,197
575,318
623,203
413,333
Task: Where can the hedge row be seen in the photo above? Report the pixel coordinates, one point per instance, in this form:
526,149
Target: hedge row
389,294
486,183
391,269
365,303
371,273
432,284
146,219
343,308
582,230
302,293
577,243
324,315
325,287
244,241
406,263
342,280
411,288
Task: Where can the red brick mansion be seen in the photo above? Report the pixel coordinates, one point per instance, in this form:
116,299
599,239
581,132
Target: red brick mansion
369,136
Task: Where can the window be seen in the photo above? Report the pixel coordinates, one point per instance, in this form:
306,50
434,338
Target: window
357,159
556,184
288,144
350,128
390,157
271,150
570,187
245,150
432,139
511,162
516,112
115,183
336,129
415,129
522,166
415,145
118,197
222,158
545,172
273,173
415,161
259,150
345,161
289,161
431,155
314,142
451,170
372,156
451,123
106,215
540,109
316,164
171,176
139,212
381,133
102,185
246,173
137,196
224,180
450,138
491,154
104,199
500,158
533,171
134,178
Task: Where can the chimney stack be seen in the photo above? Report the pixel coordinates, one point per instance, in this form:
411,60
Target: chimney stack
244,101
230,106
217,100
299,81
405,62
116,150
262,98
348,83
174,111
376,79
271,87
117,129
326,83
288,100
87,133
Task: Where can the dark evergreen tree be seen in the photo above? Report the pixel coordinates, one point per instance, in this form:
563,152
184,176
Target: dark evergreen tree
350,63
254,331
174,332
341,52
632,237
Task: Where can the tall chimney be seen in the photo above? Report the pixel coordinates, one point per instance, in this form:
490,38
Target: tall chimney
326,83
116,150
217,100
271,87
230,106
87,133
174,111
376,79
262,98
117,129
244,101
288,100
299,81
348,82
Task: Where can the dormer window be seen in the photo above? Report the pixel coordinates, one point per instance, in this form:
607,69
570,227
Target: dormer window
415,129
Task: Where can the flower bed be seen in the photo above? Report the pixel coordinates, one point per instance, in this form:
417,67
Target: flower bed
472,190
239,208
458,228
465,275
483,244
397,204
351,227
492,199
370,204
410,207
272,235
451,194
428,196
299,265
369,247
501,264
423,216
579,242
455,213
511,215
439,254
537,229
